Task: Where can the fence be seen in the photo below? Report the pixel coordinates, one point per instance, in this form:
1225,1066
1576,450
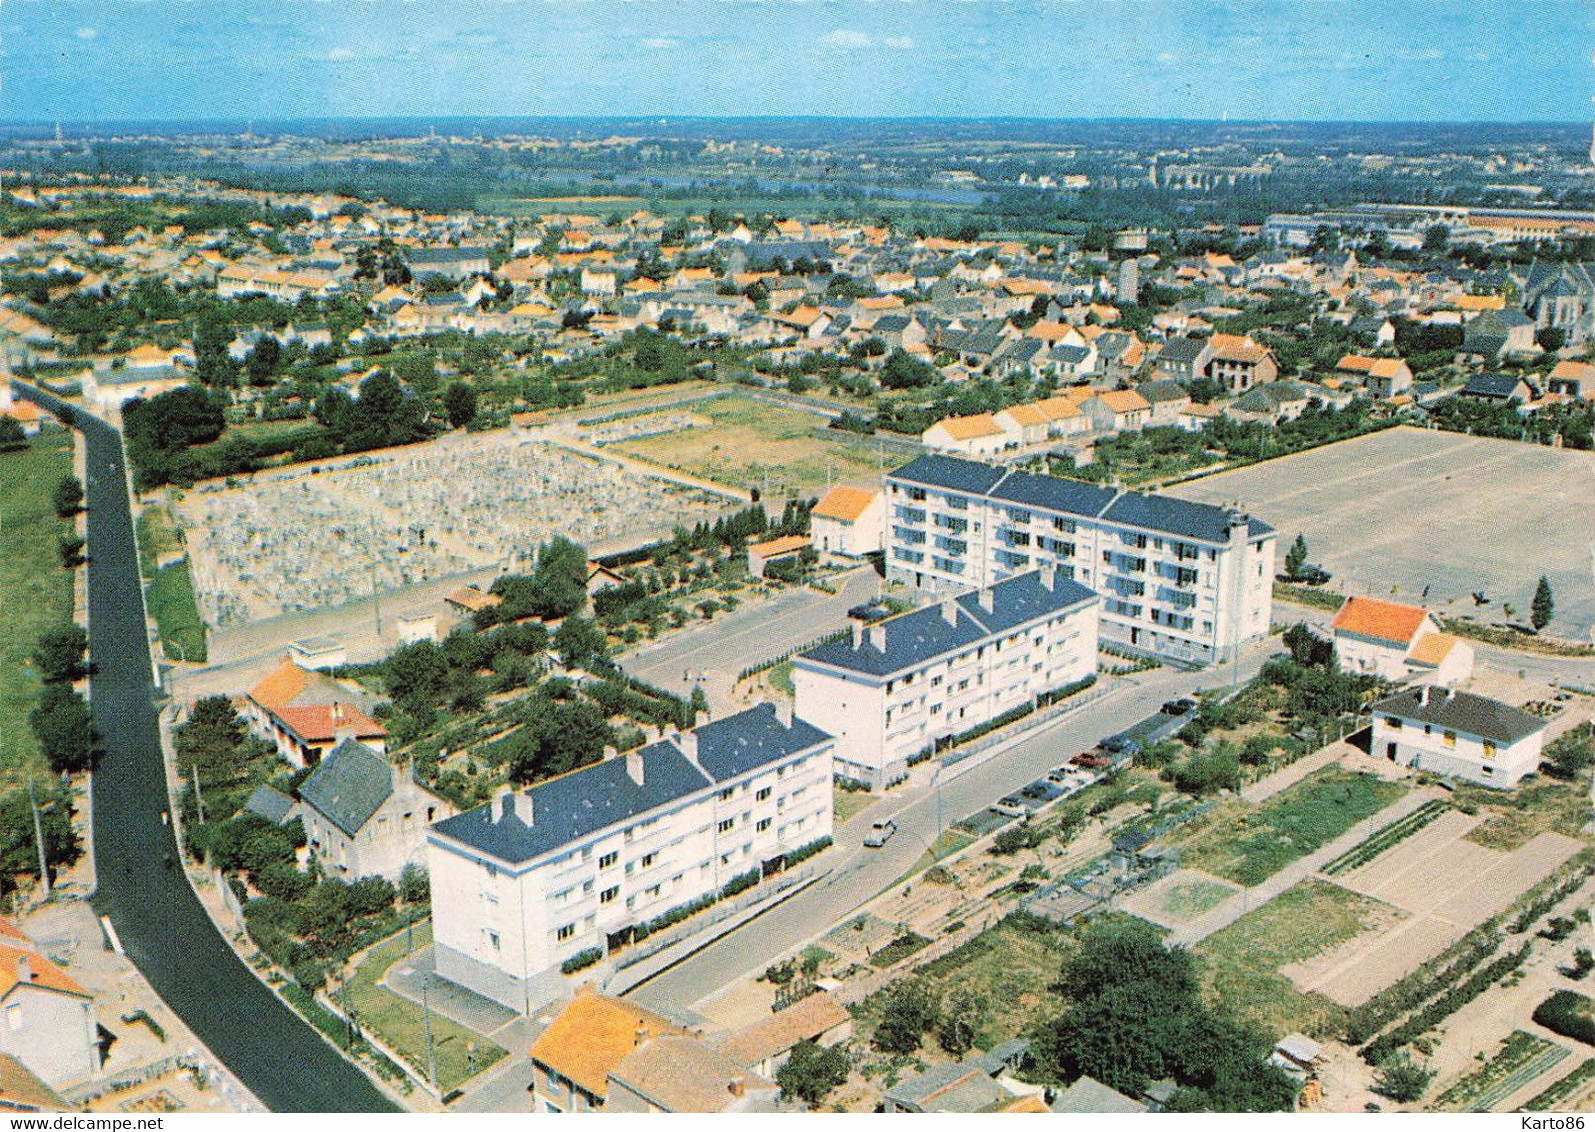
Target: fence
205,1075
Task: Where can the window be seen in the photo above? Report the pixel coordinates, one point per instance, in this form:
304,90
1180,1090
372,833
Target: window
492,940
727,825
764,824
608,895
647,860
726,794
1489,748
1393,723
565,931
607,861
14,1016
1449,738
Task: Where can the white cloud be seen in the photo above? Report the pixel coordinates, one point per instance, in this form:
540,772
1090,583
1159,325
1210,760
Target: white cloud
899,42
846,39
86,33
659,43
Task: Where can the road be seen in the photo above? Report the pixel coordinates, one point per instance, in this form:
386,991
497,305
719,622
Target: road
920,812
159,920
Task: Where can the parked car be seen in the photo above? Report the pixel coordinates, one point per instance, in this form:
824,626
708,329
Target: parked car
1012,806
1183,706
879,834
869,611
1093,758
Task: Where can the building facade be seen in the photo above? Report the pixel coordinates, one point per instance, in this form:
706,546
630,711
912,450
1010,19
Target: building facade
898,686
577,863
46,1018
1186,582
363,816
1432,728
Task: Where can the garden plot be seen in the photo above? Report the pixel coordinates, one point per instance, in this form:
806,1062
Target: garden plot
1180,898
1447,885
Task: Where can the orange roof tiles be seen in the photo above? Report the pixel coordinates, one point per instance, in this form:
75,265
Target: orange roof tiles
1237,348
1356,363
774,548
844,503
1382,620
1433,649
282,687
1125,400
41,972
970,428
318,723
592,1036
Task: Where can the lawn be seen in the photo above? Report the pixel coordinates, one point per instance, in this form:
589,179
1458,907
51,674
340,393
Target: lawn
34,591
849,804
1251,843
1190,899
780,678
170,597
1529,810
948,842
752,444
1011,969
400,1023
1241,963
157,535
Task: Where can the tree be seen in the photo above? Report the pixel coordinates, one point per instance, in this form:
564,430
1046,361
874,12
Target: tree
417,675
559,584
264,360
1544,605
557,737
1570,755
1402,1079
211,738
68,496
963,1012
415,884
907,1011
459,402
1436,238
904,371
1296,557
11,435
578,641
811,1071
19,855
64,728
71,548
58,654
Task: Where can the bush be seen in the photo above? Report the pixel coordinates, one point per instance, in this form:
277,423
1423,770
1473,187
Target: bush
804,852
581,960
1568,1013
1402,1079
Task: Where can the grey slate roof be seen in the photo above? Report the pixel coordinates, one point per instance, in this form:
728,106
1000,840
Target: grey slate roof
1462,711
1499,386
1159,391
951,473
1090,1095
1172,516
349,785
272,805
915,638
596,797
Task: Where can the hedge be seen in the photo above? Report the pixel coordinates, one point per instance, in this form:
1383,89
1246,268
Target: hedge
582,959
1568,1013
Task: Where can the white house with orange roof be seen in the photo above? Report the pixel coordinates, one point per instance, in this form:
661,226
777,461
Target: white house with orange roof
1398,642
306,713
46,1017
849,521
978,435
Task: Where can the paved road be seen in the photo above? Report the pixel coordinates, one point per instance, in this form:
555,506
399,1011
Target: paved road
920,811
162,926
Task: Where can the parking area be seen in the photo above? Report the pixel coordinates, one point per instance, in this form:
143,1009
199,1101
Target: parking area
1433,517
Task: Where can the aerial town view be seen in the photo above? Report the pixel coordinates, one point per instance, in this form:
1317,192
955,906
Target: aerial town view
797,558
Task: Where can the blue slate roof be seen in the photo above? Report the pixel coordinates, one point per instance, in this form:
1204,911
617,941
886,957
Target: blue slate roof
913,639
596,797
751,739
1159,513
349,785
272,805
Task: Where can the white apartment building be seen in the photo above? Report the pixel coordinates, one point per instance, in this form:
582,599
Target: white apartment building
1433,728
578,862
1183,581
899,685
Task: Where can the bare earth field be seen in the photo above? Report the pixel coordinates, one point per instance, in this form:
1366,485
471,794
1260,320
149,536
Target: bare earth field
1446,884
1414,509
1180,898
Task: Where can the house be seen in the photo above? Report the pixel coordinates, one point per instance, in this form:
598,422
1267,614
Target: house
899,686
764,1046
1572,379
1500,388
575,864
364,816
1398,642
305,712
601,578
1088,1095
319,653
1559,295
1197,416
978,435
1459,734
1494,336
272,806
1118,410
678,1073
761,554
1382,377
979,1083
1237,363
849,521
1182,580
113,388
590,1037
454,262
1277,401
1168,400
49,1023
1183,359
22,1091
468,601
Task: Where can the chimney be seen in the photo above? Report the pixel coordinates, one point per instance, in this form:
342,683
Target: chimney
1049,577
877,637
949,611
641,1035
1423,694
988,600
634,766
858,635
783,713
737,1086
522,803
24,969
687,741
337,712
1240,524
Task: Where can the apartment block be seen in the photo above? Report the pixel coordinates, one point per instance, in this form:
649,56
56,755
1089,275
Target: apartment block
577,863
898,686
1185,582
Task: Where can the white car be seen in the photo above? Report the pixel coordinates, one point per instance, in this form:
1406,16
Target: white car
879,834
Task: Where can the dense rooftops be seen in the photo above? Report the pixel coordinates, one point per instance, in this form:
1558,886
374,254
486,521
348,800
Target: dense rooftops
1161,513
545,817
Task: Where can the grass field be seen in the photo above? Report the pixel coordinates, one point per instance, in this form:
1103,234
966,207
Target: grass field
35,592
757,445
1241,963
170,597
1190,899
157,535
399,1023
1252,843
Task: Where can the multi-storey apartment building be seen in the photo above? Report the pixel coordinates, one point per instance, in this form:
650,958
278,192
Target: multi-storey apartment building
578,862
1187,582
901,684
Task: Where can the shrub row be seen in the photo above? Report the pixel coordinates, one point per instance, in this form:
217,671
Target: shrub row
582,960
804,852
755,669
1543,902
1364,1021
1376,1051
1360,855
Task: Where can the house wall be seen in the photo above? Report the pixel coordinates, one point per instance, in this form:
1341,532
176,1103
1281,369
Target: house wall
51,1033
862,536
1371,656
1426,747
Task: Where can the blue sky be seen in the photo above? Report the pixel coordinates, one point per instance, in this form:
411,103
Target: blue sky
1449,60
